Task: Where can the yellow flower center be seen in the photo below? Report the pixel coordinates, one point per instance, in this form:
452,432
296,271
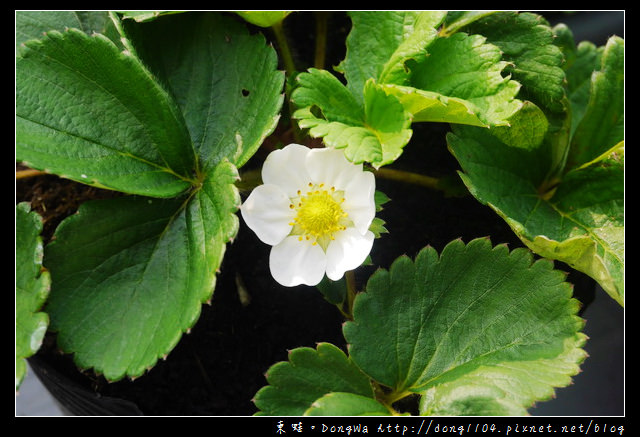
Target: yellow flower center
319,214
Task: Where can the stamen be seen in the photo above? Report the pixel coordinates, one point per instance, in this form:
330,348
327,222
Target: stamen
319,215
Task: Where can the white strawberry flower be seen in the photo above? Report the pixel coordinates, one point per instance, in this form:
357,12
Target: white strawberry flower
315,208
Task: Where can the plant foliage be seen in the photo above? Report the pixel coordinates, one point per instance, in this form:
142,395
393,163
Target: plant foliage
32,288
152,124
166,107
465,330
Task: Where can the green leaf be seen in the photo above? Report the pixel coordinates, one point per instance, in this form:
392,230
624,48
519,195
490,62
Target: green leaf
589,204
130,274
32,288
263,18
475,314
309,374
455,20
454,78
380,199
398,71
580,221
346,404
505,389
460,81
527,128
88,112
375,132
534,59
320,90
476,397
380,42
602,125
34,24
585,60
527,45
377,227
224,79
565,198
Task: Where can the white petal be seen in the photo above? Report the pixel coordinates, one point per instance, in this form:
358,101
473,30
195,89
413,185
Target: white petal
360,201
329,166
266,211
294,262
347,251
286,168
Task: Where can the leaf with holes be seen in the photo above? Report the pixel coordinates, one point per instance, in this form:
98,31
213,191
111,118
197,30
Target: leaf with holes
91,113
175,126
225,80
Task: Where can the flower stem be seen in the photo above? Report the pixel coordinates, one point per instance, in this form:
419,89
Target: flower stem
321,39
351,292
393,396
252,178
450,185
290,71
409,177
344,313
285,51
387,397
